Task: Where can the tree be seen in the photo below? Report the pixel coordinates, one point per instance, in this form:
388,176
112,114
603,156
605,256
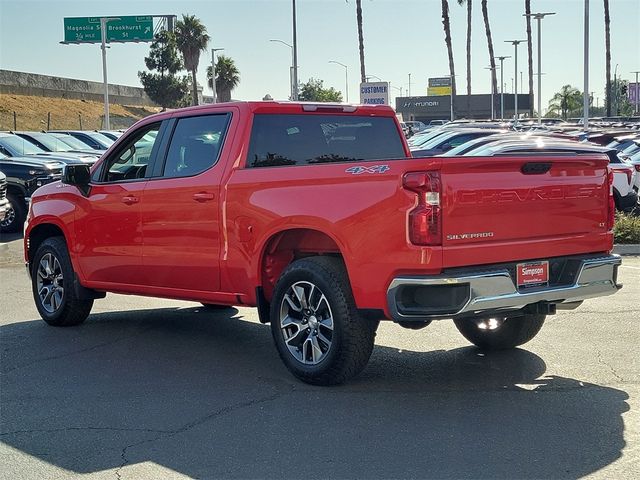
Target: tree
164,87
568,99
227,78
313,91
469,9
191,38
492,59
447,39
363,76
607,46
527,11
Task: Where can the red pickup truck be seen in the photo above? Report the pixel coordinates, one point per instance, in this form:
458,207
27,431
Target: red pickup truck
317,215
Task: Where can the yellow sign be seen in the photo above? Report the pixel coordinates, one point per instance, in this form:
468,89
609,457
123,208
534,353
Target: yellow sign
438,91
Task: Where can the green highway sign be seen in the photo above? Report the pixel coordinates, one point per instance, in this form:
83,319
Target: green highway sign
124,29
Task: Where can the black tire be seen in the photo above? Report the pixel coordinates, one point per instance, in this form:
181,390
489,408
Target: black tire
16,214
69,310
509,333
214,306
352,335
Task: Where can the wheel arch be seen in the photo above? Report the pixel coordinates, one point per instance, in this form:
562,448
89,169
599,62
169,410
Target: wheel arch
287,245
36,234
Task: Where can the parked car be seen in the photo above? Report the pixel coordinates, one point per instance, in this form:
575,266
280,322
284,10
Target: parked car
4,203
453,138
14,146
318,215
112,134
416,126
95,140
51,143
23,177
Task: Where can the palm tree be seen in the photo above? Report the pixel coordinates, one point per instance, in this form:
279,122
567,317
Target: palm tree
527,11
469,8
363,76
607,46
566,100
227,78
492,59
447,40
191,38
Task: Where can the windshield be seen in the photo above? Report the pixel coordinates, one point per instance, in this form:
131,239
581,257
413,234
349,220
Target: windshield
19,146
49,141
100,138
470,145
435,141
419,140
72,142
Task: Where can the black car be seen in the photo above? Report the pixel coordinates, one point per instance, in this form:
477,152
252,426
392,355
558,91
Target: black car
23,177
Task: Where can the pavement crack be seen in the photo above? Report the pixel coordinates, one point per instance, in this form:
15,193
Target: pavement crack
199,421
75,352
608,365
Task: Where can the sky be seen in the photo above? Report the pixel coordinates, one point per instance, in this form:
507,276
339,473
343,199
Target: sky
401,37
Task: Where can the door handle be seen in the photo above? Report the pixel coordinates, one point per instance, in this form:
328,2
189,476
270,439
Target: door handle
129,200
203,196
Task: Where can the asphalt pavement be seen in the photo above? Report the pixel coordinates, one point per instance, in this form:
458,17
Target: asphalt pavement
157,389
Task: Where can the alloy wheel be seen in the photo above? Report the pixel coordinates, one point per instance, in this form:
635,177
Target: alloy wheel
50,283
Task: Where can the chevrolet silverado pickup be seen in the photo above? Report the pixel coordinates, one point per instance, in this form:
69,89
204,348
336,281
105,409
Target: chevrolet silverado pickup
317,215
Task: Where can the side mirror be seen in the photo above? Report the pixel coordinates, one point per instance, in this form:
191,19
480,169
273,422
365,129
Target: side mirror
78,175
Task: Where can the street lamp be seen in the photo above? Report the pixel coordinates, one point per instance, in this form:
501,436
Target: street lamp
213,73
515,44
502,59
346,77
539,17
292,76
585,94
492,69
637,92
397,88
372,76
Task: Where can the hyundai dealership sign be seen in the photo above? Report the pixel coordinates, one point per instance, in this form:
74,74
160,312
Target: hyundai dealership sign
374,93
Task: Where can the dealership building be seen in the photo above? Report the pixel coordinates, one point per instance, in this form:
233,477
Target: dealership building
438,107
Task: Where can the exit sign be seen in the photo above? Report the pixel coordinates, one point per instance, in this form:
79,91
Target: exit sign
124,29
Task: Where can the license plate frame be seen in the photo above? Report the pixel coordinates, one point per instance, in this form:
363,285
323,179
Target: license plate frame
532,274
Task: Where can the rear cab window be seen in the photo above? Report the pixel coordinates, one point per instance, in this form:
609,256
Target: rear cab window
303,139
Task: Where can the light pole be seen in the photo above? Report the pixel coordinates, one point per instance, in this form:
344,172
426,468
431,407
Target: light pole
539,17
409,87
515,44
637,92
346,77
213,73
292,80
294,90
585,93
615,92
372,76
451,95
502,59
491,70
398,88
103,41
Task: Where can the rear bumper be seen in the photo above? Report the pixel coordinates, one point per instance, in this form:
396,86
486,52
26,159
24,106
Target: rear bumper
418,298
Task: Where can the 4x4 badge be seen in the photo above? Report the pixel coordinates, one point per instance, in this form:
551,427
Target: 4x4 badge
374,169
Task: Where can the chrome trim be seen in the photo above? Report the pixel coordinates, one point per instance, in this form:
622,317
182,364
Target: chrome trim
491,291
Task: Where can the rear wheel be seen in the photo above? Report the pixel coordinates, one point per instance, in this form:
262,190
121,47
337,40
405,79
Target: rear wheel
500,333
16,214
52,279
320,335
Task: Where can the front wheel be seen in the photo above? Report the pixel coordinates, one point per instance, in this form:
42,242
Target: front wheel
16,214
320,335
52,284
500,333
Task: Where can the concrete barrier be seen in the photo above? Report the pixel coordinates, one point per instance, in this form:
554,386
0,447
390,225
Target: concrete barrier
23,83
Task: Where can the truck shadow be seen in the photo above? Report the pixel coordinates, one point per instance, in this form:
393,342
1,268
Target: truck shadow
205,395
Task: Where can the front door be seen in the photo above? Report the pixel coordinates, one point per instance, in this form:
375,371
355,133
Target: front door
108,219
181,208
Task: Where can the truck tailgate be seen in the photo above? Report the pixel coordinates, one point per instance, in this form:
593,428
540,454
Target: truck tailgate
512,208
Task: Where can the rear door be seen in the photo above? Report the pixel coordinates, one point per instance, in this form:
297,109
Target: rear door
521,207
181,205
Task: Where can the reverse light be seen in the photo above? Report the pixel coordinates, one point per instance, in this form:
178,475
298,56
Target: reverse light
425,220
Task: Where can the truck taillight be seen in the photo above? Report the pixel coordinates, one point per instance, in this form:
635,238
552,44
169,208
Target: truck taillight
612,204
425,220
